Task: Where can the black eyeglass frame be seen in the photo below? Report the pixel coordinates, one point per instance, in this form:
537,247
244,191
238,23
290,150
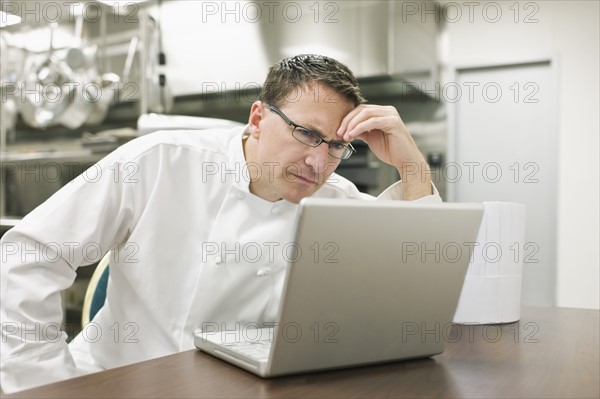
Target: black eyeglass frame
348,148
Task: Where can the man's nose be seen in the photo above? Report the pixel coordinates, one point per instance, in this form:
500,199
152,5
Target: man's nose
319,160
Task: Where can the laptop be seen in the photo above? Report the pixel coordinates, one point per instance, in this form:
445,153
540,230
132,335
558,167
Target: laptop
383,288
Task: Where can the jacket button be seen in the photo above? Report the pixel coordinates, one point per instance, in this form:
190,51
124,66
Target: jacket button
275,210
240,196
218,260
265,271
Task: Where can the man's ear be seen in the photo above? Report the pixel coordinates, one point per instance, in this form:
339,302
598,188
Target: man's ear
256,116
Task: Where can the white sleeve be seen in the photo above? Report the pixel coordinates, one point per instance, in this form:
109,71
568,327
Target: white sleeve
74,227
396,192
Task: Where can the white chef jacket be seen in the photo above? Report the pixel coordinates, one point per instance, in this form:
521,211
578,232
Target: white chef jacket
191,245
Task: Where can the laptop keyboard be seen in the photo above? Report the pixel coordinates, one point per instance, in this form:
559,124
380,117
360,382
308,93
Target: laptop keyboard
257,350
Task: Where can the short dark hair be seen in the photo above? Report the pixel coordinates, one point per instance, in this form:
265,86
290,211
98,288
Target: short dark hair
295,72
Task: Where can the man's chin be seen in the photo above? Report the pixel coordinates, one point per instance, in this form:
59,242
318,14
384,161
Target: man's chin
296,196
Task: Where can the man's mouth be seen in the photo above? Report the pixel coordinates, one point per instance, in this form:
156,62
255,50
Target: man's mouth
306,180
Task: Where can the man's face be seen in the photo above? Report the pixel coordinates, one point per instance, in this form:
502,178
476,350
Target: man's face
288,169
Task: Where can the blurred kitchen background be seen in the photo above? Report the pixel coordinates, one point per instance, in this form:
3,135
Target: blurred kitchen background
501,97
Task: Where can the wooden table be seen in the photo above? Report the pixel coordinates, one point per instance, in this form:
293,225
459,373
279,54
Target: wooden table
550,353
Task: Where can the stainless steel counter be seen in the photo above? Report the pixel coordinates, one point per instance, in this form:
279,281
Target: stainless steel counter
32,171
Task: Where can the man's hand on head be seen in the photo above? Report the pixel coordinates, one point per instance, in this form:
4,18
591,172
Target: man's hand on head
386,135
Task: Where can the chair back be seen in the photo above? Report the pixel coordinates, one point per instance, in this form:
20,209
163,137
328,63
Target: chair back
95,294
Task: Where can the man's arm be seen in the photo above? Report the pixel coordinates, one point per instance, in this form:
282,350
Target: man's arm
39,258
384,131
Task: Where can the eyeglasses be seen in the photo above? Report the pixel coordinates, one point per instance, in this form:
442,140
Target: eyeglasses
308,137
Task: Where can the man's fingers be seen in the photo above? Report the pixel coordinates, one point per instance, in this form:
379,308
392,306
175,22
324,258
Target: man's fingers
361,114
383,123
344,125
359,129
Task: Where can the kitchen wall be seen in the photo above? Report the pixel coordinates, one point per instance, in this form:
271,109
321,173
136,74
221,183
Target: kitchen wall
567,32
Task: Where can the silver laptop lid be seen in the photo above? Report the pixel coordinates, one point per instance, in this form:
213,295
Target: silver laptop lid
371,281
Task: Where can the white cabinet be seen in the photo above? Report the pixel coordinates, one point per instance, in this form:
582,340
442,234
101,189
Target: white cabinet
212,46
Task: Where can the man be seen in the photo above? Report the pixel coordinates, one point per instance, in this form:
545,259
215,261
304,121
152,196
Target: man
197,222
